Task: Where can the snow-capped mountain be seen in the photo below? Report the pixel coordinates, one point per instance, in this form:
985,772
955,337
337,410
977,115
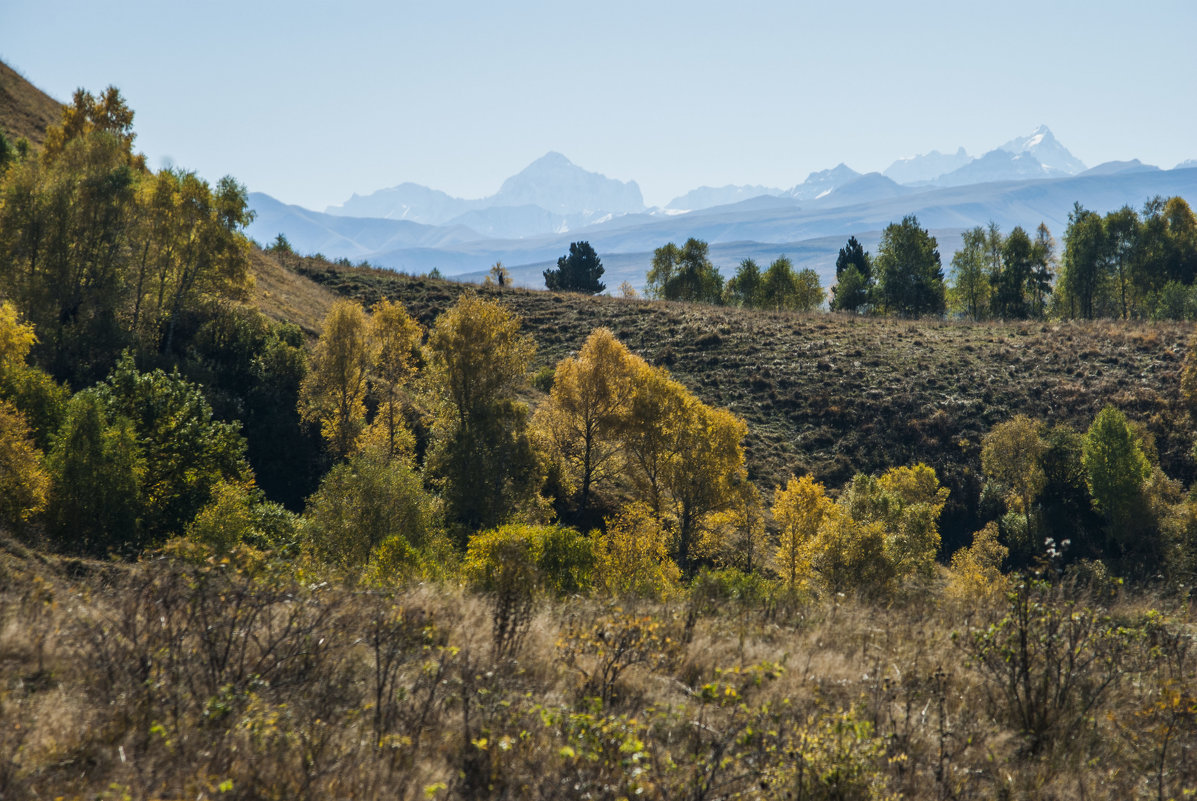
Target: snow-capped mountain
926,168
556,184
1047,150
821,183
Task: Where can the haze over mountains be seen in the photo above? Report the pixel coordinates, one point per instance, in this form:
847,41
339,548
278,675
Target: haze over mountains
536,213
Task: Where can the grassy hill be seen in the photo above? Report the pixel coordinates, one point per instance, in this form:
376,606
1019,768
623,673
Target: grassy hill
834,395
25,110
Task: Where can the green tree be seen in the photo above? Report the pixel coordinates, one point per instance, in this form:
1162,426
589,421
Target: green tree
685,273
1043,258
579,271
476,362
97,474
970,289
1116,470
1122,241
364,501
1011,299
744,289
854,278
779,285
1083,272
184,450
909,275
809,293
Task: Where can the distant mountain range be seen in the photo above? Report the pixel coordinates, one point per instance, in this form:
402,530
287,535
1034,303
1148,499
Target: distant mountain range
535,214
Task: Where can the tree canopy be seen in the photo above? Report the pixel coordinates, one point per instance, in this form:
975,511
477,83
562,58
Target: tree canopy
578,271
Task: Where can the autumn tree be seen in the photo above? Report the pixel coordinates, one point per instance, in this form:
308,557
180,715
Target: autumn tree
737,537
394,339
799,509
1011,456
23,480
333,393
476,362
633,556
586,412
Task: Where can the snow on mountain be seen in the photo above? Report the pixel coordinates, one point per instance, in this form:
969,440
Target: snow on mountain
926,168
1047,150
999,165
823,181
705,197
407,201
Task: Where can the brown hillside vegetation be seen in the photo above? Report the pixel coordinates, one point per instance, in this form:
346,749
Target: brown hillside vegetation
285,296
833,395
237,679
25,110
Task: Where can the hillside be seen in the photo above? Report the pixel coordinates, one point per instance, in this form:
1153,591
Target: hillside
25,110
834,395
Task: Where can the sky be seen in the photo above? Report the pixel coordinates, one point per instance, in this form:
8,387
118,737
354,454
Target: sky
313,101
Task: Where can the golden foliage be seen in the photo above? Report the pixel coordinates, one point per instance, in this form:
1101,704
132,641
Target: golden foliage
333,392
976,571
799,509
633,555
24,483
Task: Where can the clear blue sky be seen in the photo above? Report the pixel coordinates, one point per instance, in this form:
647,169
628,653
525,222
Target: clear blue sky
312,101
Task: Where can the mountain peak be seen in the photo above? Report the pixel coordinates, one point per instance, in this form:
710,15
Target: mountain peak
1044,146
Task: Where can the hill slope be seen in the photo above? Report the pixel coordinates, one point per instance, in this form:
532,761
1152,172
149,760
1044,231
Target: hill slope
25,110
834,395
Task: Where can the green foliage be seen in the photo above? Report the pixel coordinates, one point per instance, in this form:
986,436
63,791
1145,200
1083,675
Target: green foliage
685,273
744,289
98,479
909,275
185,452
251,369
579,271
854,279
970,289
1115,472
365,501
